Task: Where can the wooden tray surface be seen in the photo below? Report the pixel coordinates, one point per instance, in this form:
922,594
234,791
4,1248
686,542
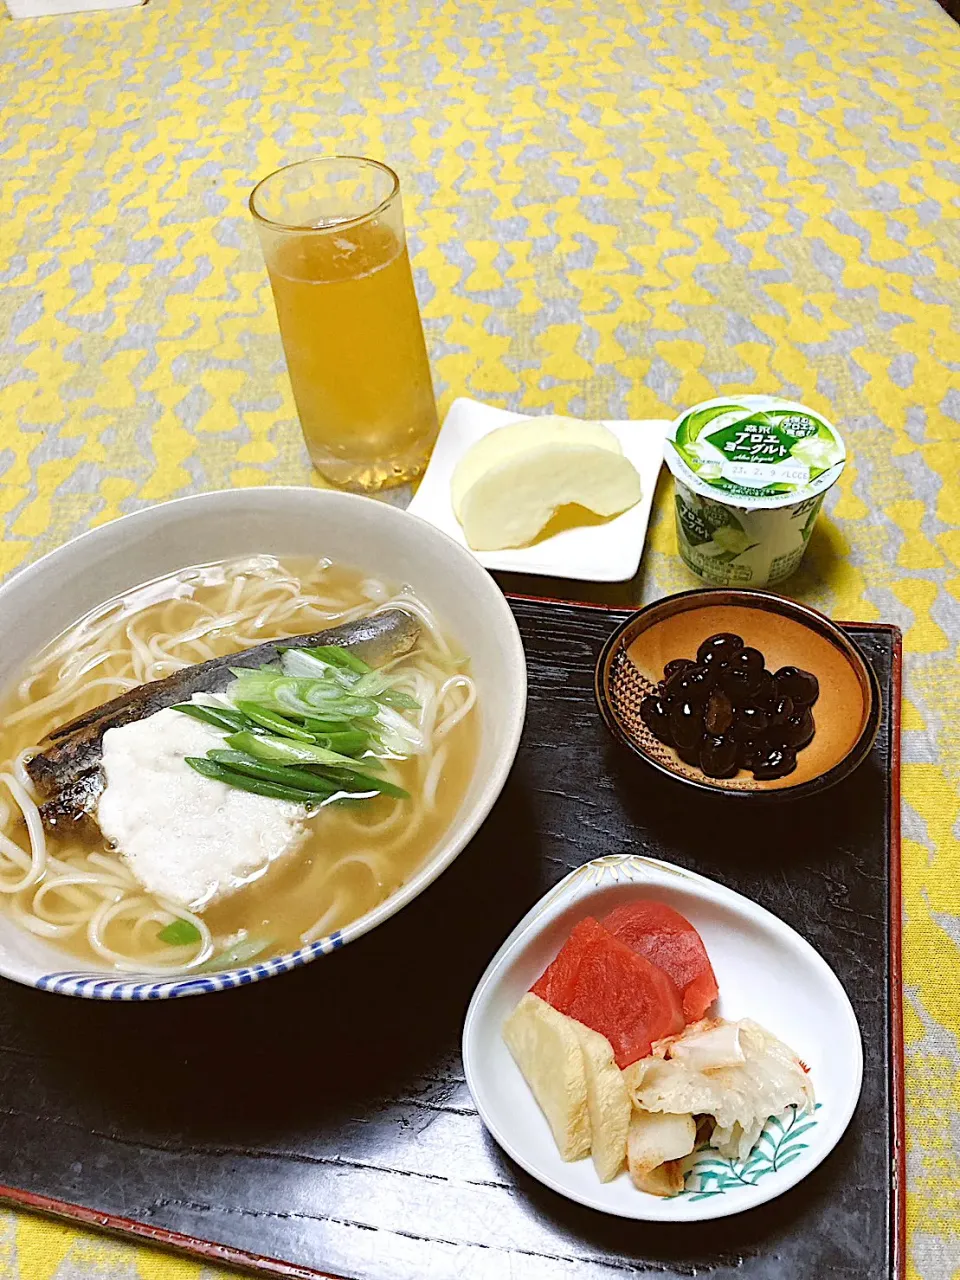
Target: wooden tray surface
319,1123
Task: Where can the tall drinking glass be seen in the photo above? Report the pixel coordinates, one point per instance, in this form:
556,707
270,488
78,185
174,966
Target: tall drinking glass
332,235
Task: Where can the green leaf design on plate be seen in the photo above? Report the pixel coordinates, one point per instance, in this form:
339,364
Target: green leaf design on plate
796,1132
783,1161
778,1145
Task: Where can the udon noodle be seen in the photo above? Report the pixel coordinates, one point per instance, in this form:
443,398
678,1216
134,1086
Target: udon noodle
79,893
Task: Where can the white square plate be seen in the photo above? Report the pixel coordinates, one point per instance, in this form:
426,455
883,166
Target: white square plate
606,552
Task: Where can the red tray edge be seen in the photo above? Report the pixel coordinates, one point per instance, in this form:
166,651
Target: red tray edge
899,1191
226,1255
142,1232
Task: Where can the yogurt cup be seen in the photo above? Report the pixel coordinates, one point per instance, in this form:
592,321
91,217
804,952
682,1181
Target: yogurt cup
751,474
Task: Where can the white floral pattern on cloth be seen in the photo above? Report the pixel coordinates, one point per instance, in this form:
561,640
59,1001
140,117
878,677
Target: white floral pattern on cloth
614,210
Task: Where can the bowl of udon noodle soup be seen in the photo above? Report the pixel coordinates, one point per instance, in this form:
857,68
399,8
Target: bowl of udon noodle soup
237,731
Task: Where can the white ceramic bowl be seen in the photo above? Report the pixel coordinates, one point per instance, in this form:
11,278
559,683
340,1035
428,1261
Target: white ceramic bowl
46,597
765,972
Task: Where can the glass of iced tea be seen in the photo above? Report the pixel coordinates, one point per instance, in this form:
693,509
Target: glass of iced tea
332,235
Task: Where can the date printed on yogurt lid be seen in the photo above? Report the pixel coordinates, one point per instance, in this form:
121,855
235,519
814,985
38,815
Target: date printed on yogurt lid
754,451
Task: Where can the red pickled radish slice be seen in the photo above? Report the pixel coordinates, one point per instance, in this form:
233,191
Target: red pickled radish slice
606,985
668,940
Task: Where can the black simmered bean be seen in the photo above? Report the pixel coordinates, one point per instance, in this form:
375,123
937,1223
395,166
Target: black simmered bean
780,710
749,751
656,716
751,722
677,665
692,684
690,755
740,683
766,692
718,756
749,660
797,730
801,686
686,724
718,713
725,711
775,762
718,650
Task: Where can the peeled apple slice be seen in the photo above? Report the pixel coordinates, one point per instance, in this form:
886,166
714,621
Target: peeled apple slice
517,437
546,1048
509,485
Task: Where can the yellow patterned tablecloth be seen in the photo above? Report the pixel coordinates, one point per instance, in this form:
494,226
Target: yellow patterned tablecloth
615,209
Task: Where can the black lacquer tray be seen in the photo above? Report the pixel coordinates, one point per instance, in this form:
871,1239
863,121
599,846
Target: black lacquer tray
319,1123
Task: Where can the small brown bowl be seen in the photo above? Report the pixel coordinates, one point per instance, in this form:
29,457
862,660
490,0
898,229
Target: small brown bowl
847,712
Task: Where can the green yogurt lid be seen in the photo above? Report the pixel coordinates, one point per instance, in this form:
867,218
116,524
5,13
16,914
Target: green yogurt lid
755,451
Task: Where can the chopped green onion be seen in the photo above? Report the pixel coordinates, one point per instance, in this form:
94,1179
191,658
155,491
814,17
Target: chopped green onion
179,933
207,715
337,707
230,714
272,720
243,950
349,742
338,657
368,760
284,751
286,775
321,728
243,782
364,782
307,695
320,723
300,663
399,700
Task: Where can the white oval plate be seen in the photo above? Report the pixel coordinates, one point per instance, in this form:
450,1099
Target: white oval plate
765,971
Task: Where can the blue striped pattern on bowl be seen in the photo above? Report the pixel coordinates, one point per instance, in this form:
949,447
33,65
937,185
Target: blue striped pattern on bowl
150,987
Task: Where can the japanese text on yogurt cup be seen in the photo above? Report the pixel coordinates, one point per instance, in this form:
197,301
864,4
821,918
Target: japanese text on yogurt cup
751,474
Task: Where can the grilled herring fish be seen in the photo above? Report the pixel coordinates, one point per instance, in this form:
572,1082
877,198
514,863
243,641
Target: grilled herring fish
67,773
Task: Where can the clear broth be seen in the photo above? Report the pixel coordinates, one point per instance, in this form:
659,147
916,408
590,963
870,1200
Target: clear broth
355,855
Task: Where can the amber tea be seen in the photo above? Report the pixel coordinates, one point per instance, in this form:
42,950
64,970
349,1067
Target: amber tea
349,319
